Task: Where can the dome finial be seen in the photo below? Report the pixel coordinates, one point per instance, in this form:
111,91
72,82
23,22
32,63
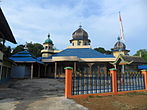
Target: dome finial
80,26
118,38
48,35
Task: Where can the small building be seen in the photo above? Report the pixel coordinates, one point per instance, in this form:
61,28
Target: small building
27,66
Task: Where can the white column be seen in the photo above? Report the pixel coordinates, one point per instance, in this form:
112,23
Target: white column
55,70
32,71
123,68
75,67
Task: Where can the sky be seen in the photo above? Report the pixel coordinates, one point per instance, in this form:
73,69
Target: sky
32,20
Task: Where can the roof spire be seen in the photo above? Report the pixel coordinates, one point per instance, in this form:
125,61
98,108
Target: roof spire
118,38
80,26
48,35
25,47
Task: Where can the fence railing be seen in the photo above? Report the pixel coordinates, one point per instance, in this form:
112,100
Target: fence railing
130,81
103,83
86,83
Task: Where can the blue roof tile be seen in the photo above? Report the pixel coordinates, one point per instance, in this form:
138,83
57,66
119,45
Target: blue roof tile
24,56
81,53
142,67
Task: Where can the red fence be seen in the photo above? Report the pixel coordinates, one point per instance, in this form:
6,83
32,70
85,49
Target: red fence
120,83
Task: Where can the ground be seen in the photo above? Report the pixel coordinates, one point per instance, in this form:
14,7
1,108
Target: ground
36,94
130,101
48,94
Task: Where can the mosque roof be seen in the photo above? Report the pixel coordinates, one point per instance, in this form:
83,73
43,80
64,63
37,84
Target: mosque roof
119,46
81,53
48,40
5,31
80,34
24,56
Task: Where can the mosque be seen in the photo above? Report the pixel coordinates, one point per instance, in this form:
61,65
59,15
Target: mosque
78,55
84,59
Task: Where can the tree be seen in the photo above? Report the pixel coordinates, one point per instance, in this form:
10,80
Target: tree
33,48
102,50
18,49
142,53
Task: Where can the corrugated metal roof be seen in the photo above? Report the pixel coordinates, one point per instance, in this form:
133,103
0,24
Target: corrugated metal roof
81,53
24,56
142,67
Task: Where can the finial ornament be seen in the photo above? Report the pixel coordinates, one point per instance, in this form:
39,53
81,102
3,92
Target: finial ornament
25,47
118,38
80,26
48,35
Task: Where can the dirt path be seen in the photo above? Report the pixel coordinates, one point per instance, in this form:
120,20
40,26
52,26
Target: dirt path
36,94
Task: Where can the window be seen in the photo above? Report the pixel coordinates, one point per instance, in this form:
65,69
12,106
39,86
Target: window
79,42
45,47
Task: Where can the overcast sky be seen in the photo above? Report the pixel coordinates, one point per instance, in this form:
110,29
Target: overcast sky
32,20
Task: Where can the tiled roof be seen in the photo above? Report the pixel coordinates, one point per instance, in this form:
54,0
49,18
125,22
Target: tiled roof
24,56
81,53
132,58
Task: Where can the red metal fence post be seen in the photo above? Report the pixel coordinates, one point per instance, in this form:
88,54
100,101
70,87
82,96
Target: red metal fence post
113,73
68,81
144,72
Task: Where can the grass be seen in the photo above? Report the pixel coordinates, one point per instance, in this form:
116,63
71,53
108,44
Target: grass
126,94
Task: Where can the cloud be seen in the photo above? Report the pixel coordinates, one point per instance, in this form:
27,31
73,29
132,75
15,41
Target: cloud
32,20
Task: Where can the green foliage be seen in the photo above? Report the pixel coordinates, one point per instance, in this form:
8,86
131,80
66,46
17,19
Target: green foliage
6,50
33,48
18,49
102,50
142,53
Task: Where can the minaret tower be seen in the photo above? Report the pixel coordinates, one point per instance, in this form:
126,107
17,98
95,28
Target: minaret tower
80,38
48,47
119,48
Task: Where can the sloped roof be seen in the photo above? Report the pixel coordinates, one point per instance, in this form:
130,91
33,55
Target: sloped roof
24,56
132,58
126,59
5,31
81,53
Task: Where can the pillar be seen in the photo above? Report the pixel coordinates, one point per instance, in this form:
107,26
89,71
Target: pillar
144,72
68,82
75,67
113,73
32,71
55,75
1,71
